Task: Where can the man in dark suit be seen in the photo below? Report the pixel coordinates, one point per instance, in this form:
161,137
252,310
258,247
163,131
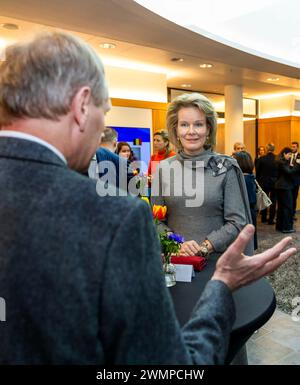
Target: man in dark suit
82,274
266,175
111,167
295,162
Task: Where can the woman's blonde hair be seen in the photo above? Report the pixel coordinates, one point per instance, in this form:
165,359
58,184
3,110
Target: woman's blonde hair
192,100
165,138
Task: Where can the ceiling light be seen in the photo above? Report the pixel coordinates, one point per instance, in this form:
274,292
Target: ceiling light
10,26
205,65
273,79
108,45
185,85
177,59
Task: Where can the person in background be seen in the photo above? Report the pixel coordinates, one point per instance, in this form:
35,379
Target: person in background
238,146
245,162
81,274
261,151
284,189
266,175
109,140
211,226
161,146
125,151
295,159
106,153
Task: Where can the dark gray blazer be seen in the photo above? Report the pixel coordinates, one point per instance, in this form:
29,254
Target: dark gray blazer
82,275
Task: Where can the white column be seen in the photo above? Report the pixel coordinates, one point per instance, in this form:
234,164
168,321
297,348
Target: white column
234,129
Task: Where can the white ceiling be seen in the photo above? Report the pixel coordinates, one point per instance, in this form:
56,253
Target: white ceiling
267,28
146,40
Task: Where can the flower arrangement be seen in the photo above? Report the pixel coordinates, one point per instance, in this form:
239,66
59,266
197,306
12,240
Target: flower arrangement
170,242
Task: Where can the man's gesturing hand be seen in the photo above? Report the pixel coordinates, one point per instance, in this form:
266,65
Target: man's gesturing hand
236,269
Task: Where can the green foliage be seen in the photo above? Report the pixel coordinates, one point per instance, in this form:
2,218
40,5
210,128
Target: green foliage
168,246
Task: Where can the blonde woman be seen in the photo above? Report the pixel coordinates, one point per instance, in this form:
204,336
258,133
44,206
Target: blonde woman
161,145
210,226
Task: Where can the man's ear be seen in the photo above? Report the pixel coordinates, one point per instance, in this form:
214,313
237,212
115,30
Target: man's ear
80,106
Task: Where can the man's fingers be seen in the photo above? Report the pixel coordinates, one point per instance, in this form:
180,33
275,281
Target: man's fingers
275,263
238,246
277,249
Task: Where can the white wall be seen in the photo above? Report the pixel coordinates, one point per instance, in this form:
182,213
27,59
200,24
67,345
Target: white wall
132,84
129,117
277,106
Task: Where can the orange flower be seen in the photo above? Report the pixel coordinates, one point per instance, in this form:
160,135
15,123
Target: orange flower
159,212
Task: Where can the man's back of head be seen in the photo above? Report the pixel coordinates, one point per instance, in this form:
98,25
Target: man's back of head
270,147
53,87
109,139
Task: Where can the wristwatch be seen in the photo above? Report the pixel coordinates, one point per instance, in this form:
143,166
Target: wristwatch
203,251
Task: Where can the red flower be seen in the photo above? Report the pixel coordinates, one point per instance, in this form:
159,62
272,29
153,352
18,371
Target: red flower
159,212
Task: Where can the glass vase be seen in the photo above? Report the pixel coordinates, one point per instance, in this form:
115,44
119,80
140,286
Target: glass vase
170,273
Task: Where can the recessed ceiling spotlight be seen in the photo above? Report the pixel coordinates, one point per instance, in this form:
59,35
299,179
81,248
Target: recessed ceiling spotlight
185,85
177,59
10,26
108,45
273,79
205,65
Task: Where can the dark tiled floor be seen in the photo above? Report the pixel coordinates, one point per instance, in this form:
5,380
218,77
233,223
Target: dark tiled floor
278,341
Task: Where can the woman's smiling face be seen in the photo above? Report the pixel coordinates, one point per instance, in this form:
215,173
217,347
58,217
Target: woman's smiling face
192,130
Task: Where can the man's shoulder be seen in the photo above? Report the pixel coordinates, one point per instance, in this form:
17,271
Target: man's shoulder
78,187
105,154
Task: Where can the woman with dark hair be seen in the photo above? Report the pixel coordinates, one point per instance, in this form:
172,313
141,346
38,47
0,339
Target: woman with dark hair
245,162
124,150
162,151
284,188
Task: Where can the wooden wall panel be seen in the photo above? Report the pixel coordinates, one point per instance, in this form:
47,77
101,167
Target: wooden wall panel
220,139
250,137
138,104
281,131
295,128
159,120
276,130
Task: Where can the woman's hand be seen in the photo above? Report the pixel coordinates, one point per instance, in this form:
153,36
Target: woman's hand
189,248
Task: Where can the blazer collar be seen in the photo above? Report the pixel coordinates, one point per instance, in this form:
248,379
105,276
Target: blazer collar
22,149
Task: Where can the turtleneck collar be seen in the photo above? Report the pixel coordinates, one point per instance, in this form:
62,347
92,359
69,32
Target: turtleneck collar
204,156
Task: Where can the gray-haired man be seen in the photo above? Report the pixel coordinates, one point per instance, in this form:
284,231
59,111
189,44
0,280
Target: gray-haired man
81,274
